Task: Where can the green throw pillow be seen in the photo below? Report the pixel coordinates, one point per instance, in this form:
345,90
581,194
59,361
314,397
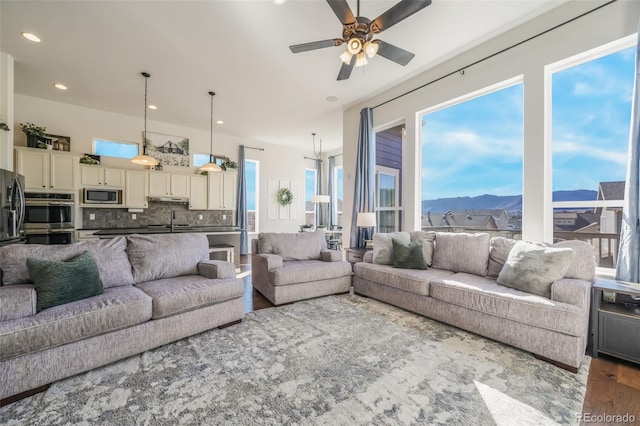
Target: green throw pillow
58,283
408,256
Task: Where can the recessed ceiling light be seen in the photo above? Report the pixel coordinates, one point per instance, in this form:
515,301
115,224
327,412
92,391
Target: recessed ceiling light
332,98
31,37
279,1
60,86
152,107
219,122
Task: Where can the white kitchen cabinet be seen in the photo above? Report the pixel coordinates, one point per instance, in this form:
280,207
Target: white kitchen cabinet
44,170
101,177
159,184
222,190
136,193
180,186
198,192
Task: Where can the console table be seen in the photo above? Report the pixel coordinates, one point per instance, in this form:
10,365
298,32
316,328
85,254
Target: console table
615,319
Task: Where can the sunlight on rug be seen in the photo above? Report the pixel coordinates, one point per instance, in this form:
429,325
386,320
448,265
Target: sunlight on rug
333,360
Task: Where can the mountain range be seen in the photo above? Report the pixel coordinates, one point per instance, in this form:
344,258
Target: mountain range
510,203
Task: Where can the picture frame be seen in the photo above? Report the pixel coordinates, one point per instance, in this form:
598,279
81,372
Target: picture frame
169,150
59,142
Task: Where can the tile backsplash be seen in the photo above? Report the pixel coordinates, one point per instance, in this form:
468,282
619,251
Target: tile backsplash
158,213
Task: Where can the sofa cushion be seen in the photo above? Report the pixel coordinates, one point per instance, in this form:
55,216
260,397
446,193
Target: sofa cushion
154,257
408,256
172,296
485,295
303,271
499,248
462,252
110,256
411,280
383,246
116,308
583,266
428,240
58,283
299,246
533,268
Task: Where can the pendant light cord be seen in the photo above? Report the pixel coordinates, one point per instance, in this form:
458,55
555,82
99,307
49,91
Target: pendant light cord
146,76
211,134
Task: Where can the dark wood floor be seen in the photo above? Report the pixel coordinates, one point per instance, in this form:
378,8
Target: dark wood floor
613,387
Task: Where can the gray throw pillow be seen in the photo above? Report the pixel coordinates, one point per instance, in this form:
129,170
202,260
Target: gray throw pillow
427,239
462,252
383,246
408,256
532,268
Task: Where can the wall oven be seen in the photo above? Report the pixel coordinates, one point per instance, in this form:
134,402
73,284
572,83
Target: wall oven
49,218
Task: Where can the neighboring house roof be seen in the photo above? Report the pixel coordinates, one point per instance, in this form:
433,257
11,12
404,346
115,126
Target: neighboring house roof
611,190
583,222
492,212
465,220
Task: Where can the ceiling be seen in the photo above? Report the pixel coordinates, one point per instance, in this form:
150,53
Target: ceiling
239,49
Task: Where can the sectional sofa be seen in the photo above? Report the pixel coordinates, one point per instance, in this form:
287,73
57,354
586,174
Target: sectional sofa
157,289
461,289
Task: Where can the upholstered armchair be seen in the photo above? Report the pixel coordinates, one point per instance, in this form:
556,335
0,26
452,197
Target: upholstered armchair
290,267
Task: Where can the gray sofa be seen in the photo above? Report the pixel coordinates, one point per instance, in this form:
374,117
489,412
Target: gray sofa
461,289
290,267
157,289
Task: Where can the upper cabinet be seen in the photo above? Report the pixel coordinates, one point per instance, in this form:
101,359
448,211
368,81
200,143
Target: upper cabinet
136,189
45,170
167,184
198,192
101,177
222,190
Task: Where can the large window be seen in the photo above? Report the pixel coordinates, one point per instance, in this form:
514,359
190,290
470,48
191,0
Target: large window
590,111
471,154
114,149
253,172
387,199
309,191
338,194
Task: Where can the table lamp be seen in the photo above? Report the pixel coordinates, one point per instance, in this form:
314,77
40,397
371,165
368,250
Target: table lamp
366,221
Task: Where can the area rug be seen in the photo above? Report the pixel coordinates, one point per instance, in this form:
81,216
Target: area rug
339,360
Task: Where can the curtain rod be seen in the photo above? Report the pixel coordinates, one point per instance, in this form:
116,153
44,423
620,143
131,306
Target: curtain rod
250,147
334,156
314,159
461,70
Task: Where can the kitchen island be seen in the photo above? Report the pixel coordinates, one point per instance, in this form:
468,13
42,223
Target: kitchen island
217,235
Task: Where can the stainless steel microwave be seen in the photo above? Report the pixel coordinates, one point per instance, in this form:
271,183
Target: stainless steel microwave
101,196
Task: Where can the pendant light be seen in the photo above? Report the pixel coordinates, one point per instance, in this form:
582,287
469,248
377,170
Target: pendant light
144,159
211,166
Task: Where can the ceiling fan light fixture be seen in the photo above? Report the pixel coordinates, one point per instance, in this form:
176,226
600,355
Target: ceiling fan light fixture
346,57
361,60
371,49
354,46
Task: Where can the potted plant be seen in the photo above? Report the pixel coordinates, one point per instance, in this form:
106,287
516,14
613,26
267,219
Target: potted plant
228,164
35,134
3,126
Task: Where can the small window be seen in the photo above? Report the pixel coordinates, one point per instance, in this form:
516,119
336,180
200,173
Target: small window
200,160
309,191
253,173
114,149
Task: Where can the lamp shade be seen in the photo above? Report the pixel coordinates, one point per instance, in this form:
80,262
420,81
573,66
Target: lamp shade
366,220
210,167
144,160
320,199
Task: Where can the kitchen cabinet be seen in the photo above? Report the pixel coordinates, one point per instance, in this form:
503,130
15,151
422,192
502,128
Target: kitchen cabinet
101,177
167,184
136,184
198,190
222,190
44,170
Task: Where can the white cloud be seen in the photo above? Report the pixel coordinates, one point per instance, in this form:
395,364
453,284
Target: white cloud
565,147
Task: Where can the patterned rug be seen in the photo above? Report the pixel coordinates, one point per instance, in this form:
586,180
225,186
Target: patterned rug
339,360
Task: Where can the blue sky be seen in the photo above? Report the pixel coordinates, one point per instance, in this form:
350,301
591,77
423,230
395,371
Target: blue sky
591,110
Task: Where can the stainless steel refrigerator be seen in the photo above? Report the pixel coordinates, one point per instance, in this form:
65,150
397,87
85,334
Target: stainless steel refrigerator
11,208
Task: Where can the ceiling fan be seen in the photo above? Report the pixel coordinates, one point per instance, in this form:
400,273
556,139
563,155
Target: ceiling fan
358,33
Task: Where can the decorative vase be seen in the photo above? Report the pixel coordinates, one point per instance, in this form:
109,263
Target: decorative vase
32,141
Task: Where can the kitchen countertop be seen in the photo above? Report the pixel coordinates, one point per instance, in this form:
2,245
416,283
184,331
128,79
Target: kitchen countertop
165,230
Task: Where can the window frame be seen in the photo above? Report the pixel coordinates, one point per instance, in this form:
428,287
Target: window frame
257,200
315,185
397,208
335,213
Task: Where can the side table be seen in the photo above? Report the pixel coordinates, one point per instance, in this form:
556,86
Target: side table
615,319
355,254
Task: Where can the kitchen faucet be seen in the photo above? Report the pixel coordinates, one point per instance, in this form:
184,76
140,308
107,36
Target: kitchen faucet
173,218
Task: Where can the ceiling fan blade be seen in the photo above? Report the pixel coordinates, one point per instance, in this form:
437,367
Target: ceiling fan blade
394,53
345,69
305,47
401,10
342,10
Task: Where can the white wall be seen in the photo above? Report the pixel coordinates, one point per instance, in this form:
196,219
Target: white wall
613,22
6,110
83,124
